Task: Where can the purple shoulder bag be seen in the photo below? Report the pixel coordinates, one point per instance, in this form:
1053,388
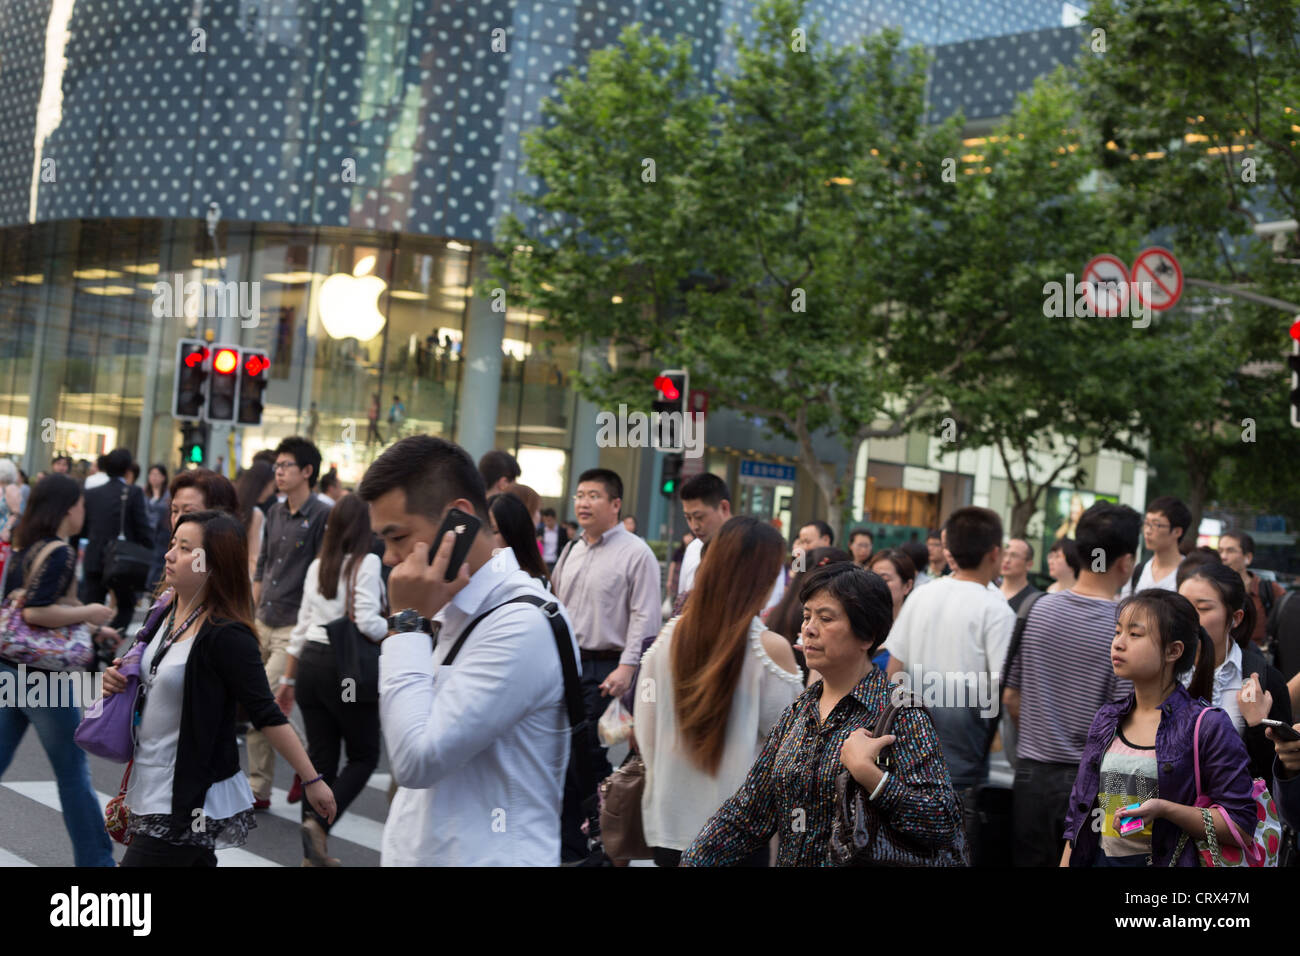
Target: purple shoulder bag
105,730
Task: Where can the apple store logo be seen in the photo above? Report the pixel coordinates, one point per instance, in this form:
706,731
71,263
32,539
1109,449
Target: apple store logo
460,529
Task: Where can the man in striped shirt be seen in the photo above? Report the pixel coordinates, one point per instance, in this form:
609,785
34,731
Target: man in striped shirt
1061,676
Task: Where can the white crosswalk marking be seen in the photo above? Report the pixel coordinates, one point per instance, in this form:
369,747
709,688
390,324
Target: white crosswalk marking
46,792
380,781
12,859
351,827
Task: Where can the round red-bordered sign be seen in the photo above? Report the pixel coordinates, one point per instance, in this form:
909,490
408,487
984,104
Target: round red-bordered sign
1105,285
1157,270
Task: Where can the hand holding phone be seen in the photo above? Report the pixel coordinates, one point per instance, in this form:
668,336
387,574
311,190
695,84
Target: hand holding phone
1281,731
465,527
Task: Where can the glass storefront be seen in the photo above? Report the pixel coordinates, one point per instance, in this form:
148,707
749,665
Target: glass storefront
365,334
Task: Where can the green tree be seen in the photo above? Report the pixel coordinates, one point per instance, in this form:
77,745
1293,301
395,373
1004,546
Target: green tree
1198,104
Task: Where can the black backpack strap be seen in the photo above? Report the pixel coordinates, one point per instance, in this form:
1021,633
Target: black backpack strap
1137,575
1265,591
1017,635
563,644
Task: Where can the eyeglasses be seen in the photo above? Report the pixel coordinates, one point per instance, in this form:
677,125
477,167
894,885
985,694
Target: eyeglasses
1152,526
588,496
285,465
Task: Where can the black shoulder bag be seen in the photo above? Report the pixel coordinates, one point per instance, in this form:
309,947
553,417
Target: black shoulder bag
126,564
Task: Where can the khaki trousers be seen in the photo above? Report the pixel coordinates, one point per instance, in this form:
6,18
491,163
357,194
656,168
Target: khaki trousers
274,642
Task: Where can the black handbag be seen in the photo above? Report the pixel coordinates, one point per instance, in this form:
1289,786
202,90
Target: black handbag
355,655
860,836
126,564
988,808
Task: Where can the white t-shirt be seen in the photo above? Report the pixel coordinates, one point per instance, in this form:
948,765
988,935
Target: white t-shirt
1146,580
691,563
951,637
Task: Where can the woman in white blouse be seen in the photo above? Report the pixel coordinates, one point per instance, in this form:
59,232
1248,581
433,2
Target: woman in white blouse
333,713
711,687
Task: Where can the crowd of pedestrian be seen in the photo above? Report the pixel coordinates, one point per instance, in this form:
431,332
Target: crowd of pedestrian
781,699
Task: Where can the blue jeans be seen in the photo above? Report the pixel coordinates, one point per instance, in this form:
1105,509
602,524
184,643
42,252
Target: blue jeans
82,814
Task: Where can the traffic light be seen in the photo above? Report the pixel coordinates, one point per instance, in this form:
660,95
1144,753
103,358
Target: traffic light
194,443
189,392
670,396
252,383
670,477
223,384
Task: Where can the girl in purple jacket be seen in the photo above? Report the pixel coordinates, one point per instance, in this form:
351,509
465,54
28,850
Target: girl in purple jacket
1136,789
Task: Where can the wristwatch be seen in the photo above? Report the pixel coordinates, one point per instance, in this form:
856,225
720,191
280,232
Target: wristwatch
405,622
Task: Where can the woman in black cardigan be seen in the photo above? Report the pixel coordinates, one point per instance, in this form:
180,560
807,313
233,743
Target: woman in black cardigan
187,796
1228,614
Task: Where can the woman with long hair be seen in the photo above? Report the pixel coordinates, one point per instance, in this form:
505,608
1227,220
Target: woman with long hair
790,789
1246,686
253,485
343,579
1133,800
46,565
721,681
157,500
512,528
205,660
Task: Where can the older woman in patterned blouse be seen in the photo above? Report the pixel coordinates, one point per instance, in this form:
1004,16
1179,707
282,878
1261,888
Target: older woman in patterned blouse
790,790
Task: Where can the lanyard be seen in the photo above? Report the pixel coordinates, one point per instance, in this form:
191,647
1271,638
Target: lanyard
172,634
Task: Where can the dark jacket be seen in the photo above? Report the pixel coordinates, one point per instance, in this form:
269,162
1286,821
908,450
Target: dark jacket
103,513
561,538
1260,748
1225,775
224,668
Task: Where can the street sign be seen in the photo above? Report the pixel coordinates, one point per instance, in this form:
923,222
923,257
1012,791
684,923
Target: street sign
1158,271
766,473
1105,285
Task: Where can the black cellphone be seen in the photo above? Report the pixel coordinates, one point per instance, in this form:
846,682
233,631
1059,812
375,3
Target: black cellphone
466,528
1284,731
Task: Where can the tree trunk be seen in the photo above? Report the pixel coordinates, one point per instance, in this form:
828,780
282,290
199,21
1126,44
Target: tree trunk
1198,478
1021,513
825,477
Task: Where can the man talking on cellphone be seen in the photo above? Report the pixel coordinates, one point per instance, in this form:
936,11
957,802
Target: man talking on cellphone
479,745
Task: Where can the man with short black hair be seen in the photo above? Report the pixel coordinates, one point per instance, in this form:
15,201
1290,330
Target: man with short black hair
951,638
480,744
294,529
938,566
1237,551
554,536
1166,524
608,579
104,520
1015,584
499,470
815,534
1061,675
861,544
706,502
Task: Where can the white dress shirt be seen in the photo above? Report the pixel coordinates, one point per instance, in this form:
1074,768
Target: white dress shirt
1228,679
317,610
479,748
691,564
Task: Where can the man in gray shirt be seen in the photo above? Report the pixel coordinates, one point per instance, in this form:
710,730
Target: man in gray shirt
294,529
608,581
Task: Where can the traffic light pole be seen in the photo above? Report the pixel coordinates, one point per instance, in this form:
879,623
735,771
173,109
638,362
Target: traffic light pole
220,434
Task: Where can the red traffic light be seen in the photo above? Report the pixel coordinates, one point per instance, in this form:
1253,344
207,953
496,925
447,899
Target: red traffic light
226,361
1295,330
667,389
256,364
196,358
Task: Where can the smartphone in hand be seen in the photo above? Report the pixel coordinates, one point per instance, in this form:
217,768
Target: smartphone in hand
465,526
1283,731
